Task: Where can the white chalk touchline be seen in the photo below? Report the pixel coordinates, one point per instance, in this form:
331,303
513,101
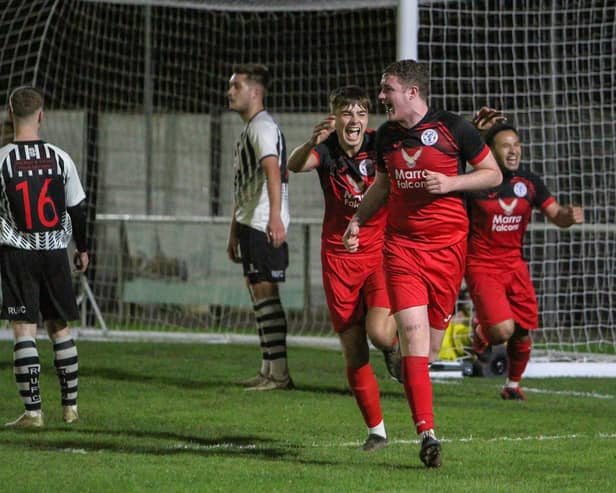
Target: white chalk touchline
593,395
532,390
470,439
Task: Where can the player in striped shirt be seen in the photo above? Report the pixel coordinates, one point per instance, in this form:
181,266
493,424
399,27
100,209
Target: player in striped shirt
342,151
258,232
497,275
421,156
42,206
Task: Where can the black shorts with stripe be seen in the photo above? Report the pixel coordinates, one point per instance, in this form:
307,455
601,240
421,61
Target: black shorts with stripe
36,281
260,259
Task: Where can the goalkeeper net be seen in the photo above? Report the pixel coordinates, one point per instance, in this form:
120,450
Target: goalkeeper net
136,93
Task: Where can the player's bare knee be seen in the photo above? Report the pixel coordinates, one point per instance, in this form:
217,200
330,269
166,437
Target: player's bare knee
381,328
57,328
381,339
356,358
23,329
502,332
355,347
262,290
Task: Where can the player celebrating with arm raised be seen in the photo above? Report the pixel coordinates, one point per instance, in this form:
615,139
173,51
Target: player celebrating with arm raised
421,155
258,231
341,149
496,274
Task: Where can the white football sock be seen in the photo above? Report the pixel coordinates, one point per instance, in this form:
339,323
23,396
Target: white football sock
378,430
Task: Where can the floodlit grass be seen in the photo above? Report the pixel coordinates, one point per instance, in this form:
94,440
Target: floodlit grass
168,417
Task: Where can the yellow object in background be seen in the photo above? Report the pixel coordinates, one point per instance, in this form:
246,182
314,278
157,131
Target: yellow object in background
456,342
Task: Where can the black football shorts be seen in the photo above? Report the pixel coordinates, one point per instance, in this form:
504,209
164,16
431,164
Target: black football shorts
260,260
36,281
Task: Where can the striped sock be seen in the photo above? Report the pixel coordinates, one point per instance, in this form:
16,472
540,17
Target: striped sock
67,366
366,392
27,368
272,321
265,364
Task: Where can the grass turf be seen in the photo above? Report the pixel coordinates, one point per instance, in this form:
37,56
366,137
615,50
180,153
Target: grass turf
168,417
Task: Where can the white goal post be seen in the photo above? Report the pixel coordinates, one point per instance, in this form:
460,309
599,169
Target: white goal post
136,93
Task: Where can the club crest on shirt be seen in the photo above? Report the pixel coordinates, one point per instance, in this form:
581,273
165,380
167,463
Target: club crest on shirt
520,190
358,187
365,166
508,208
411,161
429,137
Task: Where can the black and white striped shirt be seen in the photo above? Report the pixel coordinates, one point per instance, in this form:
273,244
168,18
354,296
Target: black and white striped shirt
38,181
261,137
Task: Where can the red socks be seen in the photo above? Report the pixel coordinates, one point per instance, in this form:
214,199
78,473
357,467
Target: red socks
417,387
518,354
366,392
418,390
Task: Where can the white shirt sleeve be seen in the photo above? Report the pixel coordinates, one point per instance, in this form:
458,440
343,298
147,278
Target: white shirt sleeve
73,190
264,137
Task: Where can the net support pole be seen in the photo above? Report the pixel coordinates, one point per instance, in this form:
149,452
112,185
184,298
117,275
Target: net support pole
408,28
90,296
306,272
148,106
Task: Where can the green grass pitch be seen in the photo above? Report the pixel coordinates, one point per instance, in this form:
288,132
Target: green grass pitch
169,418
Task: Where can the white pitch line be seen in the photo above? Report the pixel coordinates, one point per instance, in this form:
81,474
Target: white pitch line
532,390
214,446
539,438
574,393
470,439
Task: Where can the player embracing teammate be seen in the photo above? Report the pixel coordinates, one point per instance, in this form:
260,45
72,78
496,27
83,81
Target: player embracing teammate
421,156
342,151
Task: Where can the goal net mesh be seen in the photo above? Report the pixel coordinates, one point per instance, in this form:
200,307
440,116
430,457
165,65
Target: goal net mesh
136,93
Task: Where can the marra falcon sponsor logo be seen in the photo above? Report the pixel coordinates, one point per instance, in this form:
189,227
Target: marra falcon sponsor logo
410,178
502,222
507,221
351,200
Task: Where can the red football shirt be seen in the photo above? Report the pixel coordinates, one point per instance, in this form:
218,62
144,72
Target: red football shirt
500,216
441,142
344,181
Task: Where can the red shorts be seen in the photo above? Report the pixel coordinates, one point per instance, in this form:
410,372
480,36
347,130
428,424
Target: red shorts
425,277
503,295
352,285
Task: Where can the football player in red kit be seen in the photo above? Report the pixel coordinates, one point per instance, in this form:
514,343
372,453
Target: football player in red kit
341,149
421,156
496,274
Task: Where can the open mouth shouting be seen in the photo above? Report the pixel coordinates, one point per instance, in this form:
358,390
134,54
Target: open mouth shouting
389,109
352,132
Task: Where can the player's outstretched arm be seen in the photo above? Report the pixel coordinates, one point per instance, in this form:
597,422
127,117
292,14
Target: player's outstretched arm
373,200
301,158
564,216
